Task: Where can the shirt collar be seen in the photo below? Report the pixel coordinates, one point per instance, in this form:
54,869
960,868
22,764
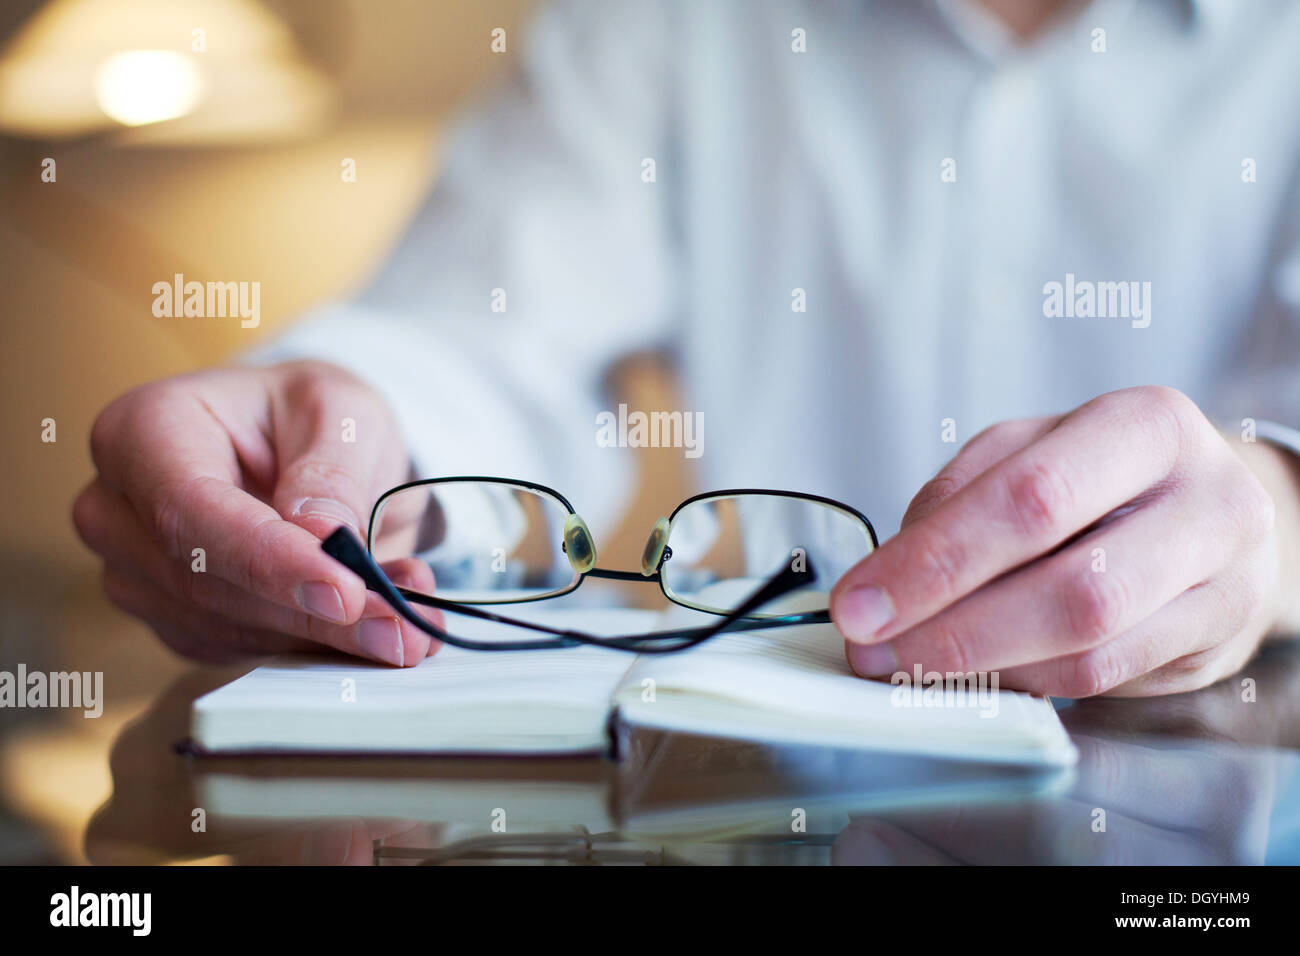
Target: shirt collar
986,35
977,28
1213,14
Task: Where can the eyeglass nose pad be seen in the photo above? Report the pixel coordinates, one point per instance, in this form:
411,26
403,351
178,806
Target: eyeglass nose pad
654,548
579,547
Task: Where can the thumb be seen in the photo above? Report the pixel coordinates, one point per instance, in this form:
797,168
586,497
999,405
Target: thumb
338,449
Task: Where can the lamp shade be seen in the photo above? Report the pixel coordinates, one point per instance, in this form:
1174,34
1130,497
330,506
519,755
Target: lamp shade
179,71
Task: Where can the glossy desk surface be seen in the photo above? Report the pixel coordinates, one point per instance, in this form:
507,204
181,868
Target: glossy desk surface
1207,777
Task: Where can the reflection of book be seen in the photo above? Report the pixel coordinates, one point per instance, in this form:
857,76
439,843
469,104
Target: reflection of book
781,685
674,786
555,792
670,790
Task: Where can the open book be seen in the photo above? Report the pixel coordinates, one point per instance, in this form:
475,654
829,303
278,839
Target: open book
786,685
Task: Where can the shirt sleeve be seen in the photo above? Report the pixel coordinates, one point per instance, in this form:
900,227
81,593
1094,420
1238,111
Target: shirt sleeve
544,254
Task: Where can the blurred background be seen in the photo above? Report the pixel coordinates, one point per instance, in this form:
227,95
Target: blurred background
203,137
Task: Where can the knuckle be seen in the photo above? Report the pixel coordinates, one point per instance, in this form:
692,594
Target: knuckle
259,553
103,434
312,385
117,414
1091,674
1244,597
949,649
1258,510
994,433
934,491
1173,417
168,516
1193,671
308,371
1253,591
309,382
167,522
322,473
86,516
189,585
1170,399
1040,498
1095,605
939,566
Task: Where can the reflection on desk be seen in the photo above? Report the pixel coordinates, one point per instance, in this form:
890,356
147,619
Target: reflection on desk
1207,777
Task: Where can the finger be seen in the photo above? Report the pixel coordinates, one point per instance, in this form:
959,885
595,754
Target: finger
337,449
1022,507
197,633
1178,649
188,631
976,456
112,529
177,467
415,575
1086,594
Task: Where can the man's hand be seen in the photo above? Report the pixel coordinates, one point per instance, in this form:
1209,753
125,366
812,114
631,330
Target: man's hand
1124,547
252,467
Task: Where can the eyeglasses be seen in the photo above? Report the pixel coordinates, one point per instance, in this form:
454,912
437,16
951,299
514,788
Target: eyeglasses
755,558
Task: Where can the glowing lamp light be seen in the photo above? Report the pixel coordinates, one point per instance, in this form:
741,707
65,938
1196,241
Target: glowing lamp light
137,87
134,72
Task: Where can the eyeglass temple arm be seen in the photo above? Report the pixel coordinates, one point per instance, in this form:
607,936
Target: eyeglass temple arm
784,581
344,547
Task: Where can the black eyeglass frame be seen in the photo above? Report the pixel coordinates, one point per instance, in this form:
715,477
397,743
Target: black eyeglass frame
344,547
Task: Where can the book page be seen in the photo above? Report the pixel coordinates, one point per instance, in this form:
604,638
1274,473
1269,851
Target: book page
455,701
793,684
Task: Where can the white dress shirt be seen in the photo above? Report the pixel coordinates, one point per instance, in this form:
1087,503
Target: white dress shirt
829,171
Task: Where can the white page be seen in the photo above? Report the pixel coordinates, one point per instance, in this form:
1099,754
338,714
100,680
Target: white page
457,701
793,685
788,685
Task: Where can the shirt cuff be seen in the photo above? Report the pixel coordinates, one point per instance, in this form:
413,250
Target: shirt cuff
1280,435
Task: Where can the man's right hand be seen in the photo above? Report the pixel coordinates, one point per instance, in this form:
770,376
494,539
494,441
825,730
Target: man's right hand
254,466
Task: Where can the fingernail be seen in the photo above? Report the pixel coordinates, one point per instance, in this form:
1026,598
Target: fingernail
873,660
381,638
862,611
320,598
327,508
